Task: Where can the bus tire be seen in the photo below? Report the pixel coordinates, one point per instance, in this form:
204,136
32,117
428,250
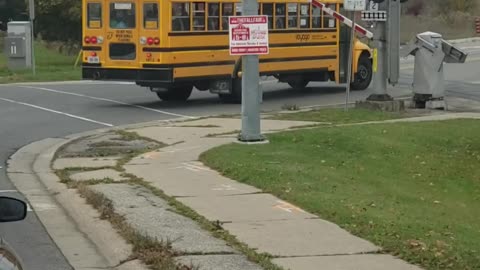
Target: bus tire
202,85
364,75
235,96
179,93
299,84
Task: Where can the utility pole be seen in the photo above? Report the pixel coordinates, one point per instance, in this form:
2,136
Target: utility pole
251,130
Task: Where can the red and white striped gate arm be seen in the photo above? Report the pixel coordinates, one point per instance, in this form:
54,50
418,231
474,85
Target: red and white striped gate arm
342,19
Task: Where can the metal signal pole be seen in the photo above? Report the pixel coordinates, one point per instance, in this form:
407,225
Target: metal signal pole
251,131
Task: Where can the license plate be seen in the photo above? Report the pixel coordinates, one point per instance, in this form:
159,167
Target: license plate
93,60
220,87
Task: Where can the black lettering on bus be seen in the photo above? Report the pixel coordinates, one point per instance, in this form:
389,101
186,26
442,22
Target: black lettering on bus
303,37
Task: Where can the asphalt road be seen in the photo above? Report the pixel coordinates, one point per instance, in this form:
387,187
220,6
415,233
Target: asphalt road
36,111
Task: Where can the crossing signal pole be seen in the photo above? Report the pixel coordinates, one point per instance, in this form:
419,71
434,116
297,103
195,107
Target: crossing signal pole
386,46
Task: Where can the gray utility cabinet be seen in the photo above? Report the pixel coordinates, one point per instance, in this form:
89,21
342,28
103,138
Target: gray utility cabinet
18,45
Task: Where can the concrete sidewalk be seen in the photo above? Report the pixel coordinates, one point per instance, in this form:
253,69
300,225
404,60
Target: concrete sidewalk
296,239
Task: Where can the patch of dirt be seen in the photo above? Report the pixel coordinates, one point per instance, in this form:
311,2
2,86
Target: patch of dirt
106,144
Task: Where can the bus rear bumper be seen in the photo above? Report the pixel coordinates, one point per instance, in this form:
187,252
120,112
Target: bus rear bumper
144,77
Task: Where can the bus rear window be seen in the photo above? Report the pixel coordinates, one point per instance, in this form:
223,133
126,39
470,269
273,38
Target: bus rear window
122,15
150,16
94,15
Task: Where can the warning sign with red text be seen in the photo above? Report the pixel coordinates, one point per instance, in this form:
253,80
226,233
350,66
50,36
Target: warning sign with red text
248,35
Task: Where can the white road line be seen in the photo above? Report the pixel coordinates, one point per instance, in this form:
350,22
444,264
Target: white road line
57,112
72,83
106,99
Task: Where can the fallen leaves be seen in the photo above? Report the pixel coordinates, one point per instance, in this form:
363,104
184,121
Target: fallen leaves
417,245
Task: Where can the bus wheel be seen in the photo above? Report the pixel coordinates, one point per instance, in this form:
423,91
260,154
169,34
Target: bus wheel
202,85
236,96
179,93
298,84
364,75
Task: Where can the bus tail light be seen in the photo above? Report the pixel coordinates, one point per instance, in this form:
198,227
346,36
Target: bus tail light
87,40
99,39
93,40
150,41
143,40
156,41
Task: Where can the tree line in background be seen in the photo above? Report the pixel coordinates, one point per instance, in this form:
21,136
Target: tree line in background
60,20
56,20
441,7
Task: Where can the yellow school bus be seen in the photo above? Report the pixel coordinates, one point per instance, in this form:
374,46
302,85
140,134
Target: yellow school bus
174,46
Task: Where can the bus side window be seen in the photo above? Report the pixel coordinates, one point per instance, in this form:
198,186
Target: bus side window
292,15
280,16
180,17
304,16
214,16
199,16
94,15
150,15
227,10
316,17
329,21
268,11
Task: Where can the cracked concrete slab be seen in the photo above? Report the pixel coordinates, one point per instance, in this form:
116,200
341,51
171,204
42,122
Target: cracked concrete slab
235,123
98,162
189,179
152,216
251,207
98,175
181,152
173,135
345,262
191,131
218,262
304,237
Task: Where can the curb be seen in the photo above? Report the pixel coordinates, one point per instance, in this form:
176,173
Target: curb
81,236
85,240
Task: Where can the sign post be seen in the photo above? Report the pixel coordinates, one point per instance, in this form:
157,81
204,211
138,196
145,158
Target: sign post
31,8
249,37
352,5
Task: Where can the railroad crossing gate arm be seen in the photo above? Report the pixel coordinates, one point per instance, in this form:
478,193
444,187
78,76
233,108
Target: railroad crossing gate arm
342,19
